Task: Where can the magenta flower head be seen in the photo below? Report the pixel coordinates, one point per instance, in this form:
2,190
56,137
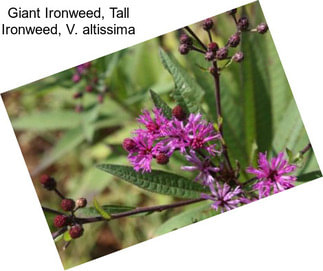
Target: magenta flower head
143,152
83,67
203,166
272,175
76,78
201,133
155,126
223,197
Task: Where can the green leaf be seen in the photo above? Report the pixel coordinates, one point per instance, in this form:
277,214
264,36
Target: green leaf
47,121
309,176
290,132
111,209
145,68
188,217
157,181
255,95
101,210
59,238
290,155
160,104
66,236
188,93
70,140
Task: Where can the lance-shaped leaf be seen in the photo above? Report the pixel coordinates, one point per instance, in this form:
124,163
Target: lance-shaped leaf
100,210
160,104
188,94
309,176
111,209
157,181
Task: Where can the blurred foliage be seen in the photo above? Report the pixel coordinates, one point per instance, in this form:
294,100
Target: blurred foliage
259,114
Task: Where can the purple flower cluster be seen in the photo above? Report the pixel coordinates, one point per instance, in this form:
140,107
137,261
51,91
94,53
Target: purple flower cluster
196,140
86,74
79,70
224,197
272,175
163,136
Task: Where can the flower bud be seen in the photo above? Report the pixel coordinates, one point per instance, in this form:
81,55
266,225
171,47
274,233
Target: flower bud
262,28
238,57
95,80
81,203
67,204
222,53
185,39
162,158
79,108
179,113
232,11
87,65
77,95
184,49
234,40
209,55
100,98
60,221
76,78
243,24
213,46
76,231
88,88
48,182
129,144
207,24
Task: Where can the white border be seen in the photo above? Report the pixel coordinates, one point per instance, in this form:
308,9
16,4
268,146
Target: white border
283,232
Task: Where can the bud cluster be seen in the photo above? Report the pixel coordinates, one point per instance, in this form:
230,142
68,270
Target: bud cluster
65,220
186,44
212,52
87,74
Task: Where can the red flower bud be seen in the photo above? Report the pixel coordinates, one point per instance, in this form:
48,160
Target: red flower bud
162,158
76,231
67,204
179,113
48,182
60,221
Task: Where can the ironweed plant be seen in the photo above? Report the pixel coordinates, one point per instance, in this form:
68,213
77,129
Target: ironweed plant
189,134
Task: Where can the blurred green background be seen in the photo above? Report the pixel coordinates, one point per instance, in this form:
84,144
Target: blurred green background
259,114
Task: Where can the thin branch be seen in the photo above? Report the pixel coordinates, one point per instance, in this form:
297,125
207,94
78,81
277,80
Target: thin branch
249,181
189,30
306,148
66,245
235,20
59,193
139,210
210,35
45,209
59,232
216,77
198,50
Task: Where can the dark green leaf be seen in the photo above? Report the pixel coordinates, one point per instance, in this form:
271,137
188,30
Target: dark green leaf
309,176
255,95
159,103
157,181
111,209
187,92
